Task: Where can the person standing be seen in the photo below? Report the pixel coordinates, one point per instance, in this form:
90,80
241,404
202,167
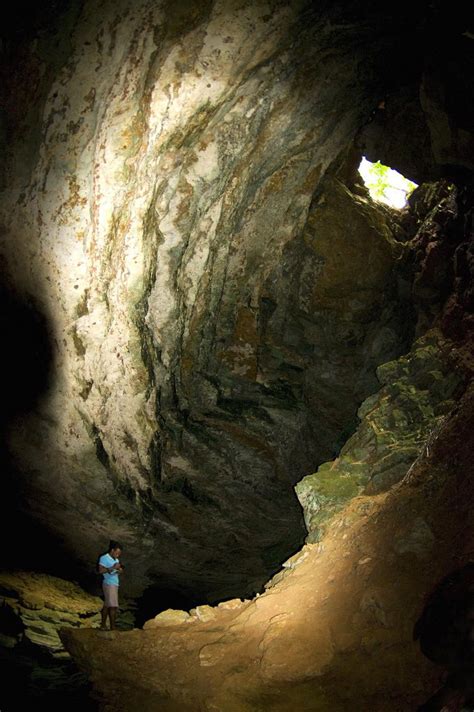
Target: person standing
111,568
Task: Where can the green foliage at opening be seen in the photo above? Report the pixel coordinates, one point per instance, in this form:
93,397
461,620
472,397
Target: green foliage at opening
385,184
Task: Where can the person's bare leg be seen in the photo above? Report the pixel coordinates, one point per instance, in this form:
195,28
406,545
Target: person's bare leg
104,613
112,616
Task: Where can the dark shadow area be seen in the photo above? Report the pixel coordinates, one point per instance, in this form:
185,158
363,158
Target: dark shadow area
25,358
29,675
25,19
31,678
26,365
156,599
445,630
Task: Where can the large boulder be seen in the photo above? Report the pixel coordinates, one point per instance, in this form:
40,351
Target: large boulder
418,391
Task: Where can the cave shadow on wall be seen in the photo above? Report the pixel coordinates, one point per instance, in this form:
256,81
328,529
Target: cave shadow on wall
26,368
445,630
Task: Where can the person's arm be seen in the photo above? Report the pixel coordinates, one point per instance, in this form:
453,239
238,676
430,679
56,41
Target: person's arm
107,570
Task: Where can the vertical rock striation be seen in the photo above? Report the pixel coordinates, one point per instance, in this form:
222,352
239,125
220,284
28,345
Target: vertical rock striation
211,294
164,212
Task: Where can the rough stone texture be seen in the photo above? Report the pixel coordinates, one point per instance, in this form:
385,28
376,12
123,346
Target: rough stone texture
342,313
175,215
438,224
399,137
163,210
424,128
168,617
339,618
418,391
36,669
41,605
330,633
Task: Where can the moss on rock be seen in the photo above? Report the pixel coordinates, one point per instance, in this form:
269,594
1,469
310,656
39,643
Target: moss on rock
418,390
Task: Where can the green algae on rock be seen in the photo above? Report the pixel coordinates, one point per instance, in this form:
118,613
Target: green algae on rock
418,391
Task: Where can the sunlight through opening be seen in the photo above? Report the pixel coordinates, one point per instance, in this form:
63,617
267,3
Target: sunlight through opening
386,185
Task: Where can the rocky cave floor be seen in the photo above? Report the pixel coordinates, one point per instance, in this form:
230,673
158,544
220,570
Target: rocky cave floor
222,352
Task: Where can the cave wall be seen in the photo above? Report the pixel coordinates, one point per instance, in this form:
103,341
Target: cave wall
172,209
330,632
423,128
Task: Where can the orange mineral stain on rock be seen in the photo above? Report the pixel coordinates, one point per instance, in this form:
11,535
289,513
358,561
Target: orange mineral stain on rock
241,355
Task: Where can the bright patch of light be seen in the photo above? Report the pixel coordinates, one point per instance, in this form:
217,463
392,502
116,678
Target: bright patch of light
386,185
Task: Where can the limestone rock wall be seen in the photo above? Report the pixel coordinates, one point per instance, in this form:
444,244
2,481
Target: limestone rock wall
421,387
330,632
162,210
216,295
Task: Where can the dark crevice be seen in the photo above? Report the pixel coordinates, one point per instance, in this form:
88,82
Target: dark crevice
100,450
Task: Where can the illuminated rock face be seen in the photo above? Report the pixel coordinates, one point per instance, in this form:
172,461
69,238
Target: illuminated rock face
35,606
211,342
329,633
218,293
418,390
217,301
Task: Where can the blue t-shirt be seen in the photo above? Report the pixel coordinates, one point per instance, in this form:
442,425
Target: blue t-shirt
107,561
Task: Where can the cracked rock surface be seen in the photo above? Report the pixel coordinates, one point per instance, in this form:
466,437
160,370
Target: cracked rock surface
329,633
197,298
209,339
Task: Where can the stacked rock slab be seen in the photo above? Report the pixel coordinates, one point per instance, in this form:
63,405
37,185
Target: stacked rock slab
35,606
